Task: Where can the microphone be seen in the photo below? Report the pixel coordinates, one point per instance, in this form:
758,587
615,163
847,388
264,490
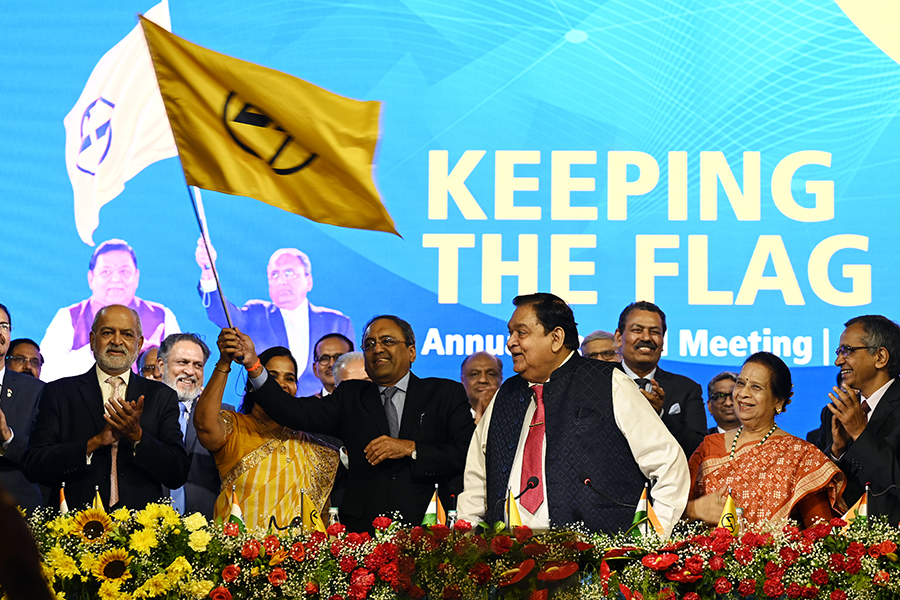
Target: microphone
529,485
590,485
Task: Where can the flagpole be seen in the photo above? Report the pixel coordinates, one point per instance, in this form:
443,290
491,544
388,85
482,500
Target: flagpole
197,204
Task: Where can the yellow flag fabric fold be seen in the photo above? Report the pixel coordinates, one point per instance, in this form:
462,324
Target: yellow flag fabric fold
247,130
312,521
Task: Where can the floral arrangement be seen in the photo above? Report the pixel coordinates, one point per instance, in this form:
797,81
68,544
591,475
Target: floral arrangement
155,553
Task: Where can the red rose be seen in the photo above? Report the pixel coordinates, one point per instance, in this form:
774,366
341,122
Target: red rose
501,544
794,590
417,534
773,570
853,566
692,596
747,587
722,585
838,595
819,577
230,573
335,529
311,588
298,552
480,573
440,531
888,547
716,563
231,529
773,588
452,592
694,564
463,526
836,562
336,597
838,522
659,562
277,576
272,544
743,555
336,547
347,564
416,593
875,550
788,556
881,578
721,545
250,549
523,534
809,591
791,532
220,593
382,523
855,550
822,530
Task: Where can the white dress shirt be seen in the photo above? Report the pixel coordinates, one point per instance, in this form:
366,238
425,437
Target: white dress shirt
656,452
296,325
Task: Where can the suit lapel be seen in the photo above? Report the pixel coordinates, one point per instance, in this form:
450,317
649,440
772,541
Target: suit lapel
889,403
92,398
371,401
412,408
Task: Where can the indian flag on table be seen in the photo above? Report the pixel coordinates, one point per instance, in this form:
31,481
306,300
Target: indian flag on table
63,506
513,518
860,509
644,517
312,520
435,514
236,516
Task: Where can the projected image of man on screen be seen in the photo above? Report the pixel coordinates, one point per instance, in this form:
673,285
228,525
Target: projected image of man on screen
289,320
113,277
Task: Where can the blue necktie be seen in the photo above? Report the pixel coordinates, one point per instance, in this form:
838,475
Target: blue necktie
178,494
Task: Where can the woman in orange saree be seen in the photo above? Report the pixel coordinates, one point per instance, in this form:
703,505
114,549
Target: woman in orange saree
772,475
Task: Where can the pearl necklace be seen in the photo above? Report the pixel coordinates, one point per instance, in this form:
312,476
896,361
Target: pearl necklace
738,434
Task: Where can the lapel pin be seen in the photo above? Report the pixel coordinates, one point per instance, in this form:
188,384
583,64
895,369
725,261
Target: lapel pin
9,392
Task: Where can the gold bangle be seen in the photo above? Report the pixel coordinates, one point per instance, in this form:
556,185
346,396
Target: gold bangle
226,371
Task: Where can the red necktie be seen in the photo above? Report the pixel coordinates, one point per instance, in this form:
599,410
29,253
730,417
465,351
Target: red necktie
864,405
532,459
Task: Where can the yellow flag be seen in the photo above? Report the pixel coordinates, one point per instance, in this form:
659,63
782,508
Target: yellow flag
312,521
729,519
98,502
512,511
248,130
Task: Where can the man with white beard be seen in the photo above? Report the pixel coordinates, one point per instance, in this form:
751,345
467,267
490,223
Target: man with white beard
181,359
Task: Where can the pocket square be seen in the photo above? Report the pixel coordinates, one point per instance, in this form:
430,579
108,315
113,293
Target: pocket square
675,409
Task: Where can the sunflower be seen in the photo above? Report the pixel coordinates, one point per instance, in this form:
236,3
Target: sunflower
112,565
93,525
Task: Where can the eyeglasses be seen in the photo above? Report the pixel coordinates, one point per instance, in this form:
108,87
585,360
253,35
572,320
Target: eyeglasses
720,396
846,351
324,359
22,361
605,354
287,274
386,342
5,326
151,368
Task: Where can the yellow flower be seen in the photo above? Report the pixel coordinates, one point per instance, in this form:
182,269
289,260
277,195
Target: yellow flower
195,521
87,562
169,515
61,526
179,567
109,590
142,540
60,596
121,514
112,564
93,525
199,589
254,571
157,585
199,540
64,566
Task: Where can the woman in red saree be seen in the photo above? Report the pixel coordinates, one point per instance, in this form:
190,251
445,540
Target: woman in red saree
772,475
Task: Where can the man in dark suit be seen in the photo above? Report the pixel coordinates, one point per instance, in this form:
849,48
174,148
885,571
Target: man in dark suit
18,407
108,429
861,429
675,398
289,320
403,434
720,402
181,360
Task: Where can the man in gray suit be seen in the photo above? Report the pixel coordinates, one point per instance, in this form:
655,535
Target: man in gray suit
181,359
18,406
